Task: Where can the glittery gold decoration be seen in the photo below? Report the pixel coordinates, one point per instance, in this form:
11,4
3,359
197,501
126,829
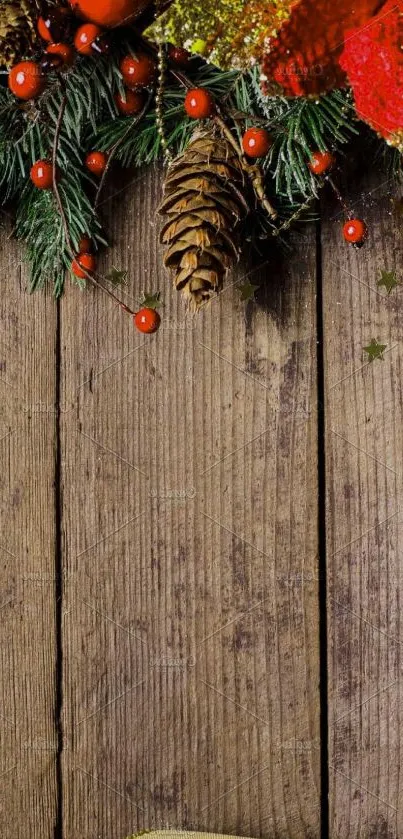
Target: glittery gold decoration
234,31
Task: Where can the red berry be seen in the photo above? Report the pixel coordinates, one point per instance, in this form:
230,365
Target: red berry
51,28
43,26
256,142
179,56
199,103
25,80
42,174
147,320
96,162
84,263
85,36
139,71
355,231
65,51
321,162
85,245
133,103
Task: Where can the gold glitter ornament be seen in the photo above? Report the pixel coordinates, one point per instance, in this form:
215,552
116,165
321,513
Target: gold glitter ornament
233,31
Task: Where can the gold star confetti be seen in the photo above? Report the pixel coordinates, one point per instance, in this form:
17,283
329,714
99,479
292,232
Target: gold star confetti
375,350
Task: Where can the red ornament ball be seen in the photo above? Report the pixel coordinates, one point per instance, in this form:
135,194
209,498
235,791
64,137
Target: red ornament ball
85,37
199,103
147,320
139,71
109,12
133,103
321,162
65,51
256,142
42,174
26,81
355,231
83,264
179,56
96,162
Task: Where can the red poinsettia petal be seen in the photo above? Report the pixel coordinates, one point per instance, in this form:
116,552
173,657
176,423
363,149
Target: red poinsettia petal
304,58
373,61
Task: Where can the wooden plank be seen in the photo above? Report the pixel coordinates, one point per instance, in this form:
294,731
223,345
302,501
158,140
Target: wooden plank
364,415
190,503
28,743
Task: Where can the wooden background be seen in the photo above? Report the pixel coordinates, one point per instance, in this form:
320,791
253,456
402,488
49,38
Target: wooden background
200,565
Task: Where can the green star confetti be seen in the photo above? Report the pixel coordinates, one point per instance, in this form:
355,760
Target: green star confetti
248,290
388,281
117,277
375,350
152,301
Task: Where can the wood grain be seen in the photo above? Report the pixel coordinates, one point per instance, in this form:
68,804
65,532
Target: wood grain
189,476
28,744
364,499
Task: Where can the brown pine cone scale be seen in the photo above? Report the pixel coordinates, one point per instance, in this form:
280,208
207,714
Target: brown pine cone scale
204,199
18,36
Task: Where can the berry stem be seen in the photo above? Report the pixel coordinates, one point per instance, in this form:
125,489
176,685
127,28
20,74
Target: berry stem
338,195
117,145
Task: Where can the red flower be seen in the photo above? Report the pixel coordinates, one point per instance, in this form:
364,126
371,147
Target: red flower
373,61
304,59
325,44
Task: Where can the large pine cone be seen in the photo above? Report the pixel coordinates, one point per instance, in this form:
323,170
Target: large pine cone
204,199
18,29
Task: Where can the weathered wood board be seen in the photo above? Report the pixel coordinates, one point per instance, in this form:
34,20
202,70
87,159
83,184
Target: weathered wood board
28,739
189,473
364,446
187,499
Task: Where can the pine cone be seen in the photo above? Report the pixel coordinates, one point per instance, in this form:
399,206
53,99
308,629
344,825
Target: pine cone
18,29
204,199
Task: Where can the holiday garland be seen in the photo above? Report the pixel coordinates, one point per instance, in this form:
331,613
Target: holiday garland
247,152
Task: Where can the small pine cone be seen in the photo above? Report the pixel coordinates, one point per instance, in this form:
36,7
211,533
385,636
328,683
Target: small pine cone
18,29
204,199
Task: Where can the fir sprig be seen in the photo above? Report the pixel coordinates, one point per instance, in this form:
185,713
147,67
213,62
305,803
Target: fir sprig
90,120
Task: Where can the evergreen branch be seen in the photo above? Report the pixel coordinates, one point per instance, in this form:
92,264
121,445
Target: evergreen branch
113,151
55,175
77,112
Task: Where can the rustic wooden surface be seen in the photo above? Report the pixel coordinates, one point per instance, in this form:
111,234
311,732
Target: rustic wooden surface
168,488
364,413
28,741
189,518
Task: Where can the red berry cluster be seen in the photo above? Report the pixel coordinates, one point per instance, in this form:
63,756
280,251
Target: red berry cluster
85,263
27,79
138,72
